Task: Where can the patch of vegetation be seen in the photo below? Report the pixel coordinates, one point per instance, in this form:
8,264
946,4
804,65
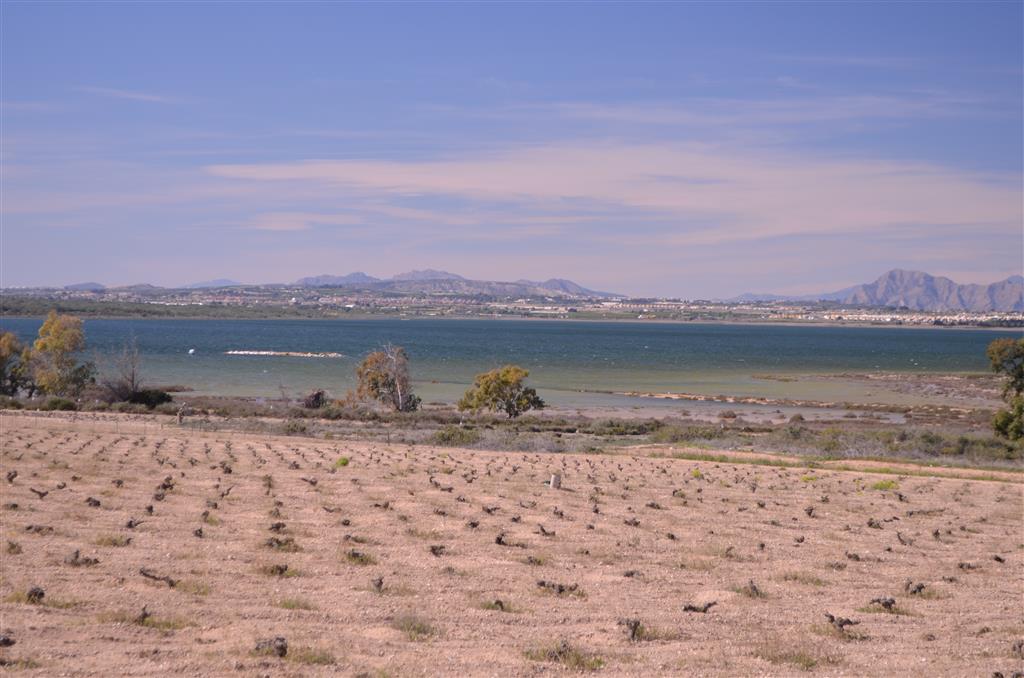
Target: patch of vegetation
112,540
685,434
455,436
414,627
277,570
359,558
145,620
295,604
804,658
19,664
24,598
888,484
894,609
196,588
286,545
311,655
750,590
497,606
567,655
59,405
342,462
804,578
294,427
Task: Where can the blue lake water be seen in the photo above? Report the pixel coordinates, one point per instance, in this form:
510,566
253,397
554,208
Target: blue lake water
564,358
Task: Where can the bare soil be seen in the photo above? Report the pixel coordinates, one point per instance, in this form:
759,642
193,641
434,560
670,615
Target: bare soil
412,560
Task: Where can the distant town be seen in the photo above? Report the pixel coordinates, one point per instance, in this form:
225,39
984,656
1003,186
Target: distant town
290,301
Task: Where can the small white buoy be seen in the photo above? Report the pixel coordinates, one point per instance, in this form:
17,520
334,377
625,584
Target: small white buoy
191,351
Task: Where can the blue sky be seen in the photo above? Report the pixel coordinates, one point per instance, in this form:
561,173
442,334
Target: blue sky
685,149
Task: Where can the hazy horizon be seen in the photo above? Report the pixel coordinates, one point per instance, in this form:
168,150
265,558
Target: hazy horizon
678,150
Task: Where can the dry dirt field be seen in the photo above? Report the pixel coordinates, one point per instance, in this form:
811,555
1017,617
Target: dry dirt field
412,561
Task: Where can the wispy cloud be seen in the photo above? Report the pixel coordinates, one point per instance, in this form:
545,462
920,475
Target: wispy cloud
299,221
853,60
727,113
29,106
712,194
131,95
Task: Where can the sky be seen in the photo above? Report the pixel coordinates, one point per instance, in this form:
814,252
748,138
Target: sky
673,149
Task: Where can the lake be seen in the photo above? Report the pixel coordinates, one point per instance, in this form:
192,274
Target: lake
566,359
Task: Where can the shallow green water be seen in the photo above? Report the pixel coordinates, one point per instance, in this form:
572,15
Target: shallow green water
564,358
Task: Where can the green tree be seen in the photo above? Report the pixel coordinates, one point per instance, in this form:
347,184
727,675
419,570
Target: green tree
501,390
1007,358
384,376
1009,423
15,366
56,367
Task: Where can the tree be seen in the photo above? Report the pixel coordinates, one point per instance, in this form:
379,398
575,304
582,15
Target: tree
501,390
126,380
55,366
15,366
384,376
1007,358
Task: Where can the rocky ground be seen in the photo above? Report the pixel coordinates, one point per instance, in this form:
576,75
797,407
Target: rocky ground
133,549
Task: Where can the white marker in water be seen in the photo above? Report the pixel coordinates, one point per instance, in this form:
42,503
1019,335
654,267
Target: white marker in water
191,351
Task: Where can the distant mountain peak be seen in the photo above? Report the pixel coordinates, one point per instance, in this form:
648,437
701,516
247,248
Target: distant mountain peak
427,274
207,284
326,280
86,287
920,291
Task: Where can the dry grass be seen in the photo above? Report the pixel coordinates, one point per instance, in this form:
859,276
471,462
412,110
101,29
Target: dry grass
803,657
414,627
569,656
112,540
295,604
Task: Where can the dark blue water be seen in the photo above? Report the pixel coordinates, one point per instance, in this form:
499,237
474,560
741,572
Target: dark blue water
563,357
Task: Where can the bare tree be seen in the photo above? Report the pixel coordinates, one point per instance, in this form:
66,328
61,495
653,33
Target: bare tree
384,376
126,378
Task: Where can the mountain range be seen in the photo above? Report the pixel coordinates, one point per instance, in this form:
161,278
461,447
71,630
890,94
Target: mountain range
433,281
914,290
918,291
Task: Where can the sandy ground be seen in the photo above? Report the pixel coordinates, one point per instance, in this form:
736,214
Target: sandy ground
627,537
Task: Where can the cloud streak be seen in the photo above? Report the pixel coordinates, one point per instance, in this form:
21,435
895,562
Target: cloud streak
710,194
130,95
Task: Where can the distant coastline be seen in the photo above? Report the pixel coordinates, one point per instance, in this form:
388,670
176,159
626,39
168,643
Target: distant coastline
356,317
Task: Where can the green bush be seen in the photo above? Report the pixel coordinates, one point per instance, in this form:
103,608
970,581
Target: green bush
150,397
1010,423
61,404
455,436
294,427
8,403
681,434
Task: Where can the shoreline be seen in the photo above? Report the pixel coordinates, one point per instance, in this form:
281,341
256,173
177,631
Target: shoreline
625,321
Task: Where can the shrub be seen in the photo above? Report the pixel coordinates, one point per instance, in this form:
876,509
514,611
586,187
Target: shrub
455,436
60,404
315,400
414,628
680,434
501,390
294,427
150,397
1009,423
8,403
565,654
